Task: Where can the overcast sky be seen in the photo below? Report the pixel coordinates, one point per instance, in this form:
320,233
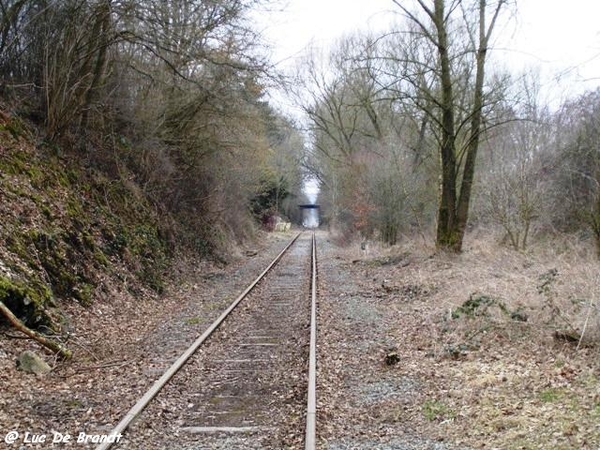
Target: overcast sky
561,38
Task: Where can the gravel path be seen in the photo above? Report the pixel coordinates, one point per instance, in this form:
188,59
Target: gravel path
361,400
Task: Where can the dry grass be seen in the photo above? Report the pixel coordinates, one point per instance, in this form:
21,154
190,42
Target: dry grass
556,284
503,382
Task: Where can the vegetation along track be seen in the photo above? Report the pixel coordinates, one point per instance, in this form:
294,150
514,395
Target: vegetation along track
243,383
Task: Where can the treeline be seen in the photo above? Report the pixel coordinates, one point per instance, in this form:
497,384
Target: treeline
416,129
163,96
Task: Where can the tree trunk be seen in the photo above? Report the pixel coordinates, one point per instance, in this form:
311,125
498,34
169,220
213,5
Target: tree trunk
475,132
102,43
447,228
596,224
456,227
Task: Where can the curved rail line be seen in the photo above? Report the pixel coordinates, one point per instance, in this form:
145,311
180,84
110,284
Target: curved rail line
310,433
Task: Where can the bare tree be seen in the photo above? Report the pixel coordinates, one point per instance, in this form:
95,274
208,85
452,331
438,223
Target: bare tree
369,146
577,189
451,91
516,159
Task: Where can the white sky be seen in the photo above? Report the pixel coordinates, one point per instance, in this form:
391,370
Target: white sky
561,38
321,21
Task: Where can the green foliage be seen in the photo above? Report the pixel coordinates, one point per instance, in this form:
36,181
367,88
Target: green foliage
546,282
519,315
436,410
14,127
269,197
478,305
143,243
27,303
15,163
62,257
550,395
67,237
193,320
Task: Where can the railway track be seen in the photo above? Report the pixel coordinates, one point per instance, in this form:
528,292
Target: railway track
248,381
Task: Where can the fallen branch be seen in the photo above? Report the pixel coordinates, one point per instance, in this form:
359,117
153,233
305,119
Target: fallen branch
14,336
56,347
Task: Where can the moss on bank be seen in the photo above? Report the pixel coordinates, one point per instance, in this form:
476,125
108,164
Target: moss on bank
28,303
67,228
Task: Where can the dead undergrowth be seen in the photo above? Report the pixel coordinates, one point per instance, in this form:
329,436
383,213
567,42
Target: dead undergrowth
505,344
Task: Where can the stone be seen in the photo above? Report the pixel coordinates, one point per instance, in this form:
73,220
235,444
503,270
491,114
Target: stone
392,358
283,227
30,362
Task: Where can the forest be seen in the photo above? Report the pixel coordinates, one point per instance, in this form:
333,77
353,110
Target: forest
133,132
422,129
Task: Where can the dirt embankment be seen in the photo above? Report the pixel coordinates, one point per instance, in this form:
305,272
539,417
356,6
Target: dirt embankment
69,232
122,344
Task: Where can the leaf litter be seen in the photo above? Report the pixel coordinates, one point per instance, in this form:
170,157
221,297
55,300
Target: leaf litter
479,365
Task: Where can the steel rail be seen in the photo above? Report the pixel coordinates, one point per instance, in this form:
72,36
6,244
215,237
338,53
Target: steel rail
171,371
311,409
